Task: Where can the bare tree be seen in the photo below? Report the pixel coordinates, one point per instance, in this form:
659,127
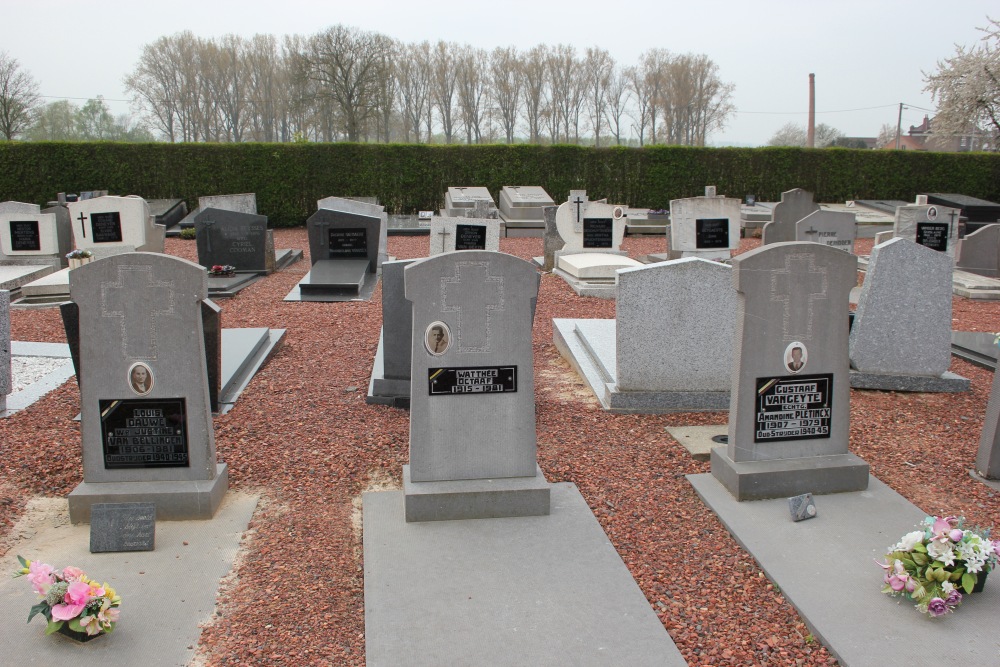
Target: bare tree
535,81
472,89
265,87
386,92
19,97
506,75
414,74
566,89
791,134
597,67
443,85
618,97
654,67
694,101
967,89
640,113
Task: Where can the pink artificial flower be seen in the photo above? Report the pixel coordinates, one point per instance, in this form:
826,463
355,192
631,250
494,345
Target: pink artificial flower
41,577
899,579
71,573
77,596
942,528
956,535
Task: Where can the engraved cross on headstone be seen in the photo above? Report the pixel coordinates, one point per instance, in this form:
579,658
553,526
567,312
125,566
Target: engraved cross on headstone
443,233
324,234
208,234
128,299
578,201
83,226
798,285
475,295
811,231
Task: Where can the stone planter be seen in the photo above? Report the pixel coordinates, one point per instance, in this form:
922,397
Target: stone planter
77,262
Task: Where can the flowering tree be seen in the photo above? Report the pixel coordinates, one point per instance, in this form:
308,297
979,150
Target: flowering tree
967,89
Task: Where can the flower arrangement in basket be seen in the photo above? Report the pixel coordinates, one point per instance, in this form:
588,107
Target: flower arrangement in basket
932,566
222,270
73,604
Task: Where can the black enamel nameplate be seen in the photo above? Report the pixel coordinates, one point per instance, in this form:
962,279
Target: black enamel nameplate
793,407
477,380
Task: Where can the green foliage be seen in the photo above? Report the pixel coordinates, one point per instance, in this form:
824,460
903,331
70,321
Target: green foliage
289,178
188,234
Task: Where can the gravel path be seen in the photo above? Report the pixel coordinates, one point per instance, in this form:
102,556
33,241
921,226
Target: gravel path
302,436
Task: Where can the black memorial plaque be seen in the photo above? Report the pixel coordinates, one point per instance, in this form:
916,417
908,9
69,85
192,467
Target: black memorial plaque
24,235
348,243
711,233
122,527
106,227
934,235
598,233
797,407
476,380
470,237
144,433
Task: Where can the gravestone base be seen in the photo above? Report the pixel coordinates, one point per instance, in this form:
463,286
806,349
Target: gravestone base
336,280
972,286
284,257
589,347
175,500
713,255
946,383
593,273
523,228
475,498
229,286
394,392
780,478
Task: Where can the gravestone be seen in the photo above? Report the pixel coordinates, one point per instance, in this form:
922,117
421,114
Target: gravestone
18,207
706,227
237,239
461,202
451,234
114,225
472,402
980,253
930,225
836,229
362,206
794,205
146,421
117,527
241,203
521,209
344,249
789,413
552,242
6,373
390,382
33,238
988,457
670,347
901,336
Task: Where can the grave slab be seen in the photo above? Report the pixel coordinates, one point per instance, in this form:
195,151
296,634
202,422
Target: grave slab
698,439
167,594
60,369
857,623
976,347
543,590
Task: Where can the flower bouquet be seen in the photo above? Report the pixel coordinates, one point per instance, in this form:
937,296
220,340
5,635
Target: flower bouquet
79,254
222,270
932,566
72,604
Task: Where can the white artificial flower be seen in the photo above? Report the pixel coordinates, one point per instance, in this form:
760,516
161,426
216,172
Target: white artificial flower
947,587
910,540
942,552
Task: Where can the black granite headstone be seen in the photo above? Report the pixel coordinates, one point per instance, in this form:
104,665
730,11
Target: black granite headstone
122,527
598,233
232,238
24,235
711,233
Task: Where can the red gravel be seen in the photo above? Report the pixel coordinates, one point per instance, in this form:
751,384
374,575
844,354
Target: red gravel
302,436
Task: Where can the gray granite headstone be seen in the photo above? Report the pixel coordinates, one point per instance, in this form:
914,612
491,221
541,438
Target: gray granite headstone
472,398
241,203
980,253
706,227
552,243
836,229
675,323
145,415
335,235
789,415
902,325
933,226
451,234
361,206
794,205
6,380
116,527
233,238
988,458
397,322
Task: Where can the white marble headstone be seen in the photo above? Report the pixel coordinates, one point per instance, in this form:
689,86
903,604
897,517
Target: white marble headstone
450,234
706,227
113,225
932,225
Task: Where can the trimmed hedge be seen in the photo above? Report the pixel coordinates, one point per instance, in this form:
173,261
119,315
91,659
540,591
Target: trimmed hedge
289,178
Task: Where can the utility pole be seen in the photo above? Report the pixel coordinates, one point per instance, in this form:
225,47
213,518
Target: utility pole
899,124
811,130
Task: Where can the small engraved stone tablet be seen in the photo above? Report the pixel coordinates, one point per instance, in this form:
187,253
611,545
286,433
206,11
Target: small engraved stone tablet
122,527
802,507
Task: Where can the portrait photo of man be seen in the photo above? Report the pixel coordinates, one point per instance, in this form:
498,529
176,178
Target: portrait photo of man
140,378
438,338
795,357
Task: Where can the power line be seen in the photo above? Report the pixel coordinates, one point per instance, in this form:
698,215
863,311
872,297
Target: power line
86,99
884,106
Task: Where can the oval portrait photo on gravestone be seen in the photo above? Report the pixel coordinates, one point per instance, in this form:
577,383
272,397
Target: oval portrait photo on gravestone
140,378
796,356
437,338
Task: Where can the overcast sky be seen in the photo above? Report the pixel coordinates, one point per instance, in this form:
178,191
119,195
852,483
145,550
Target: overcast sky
868,55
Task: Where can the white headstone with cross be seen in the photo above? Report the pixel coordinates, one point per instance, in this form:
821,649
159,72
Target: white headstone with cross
450,234
930,225
789,414
114,225
472,399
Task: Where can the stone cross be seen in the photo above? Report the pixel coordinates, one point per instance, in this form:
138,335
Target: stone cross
83,227
118,299
473,284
